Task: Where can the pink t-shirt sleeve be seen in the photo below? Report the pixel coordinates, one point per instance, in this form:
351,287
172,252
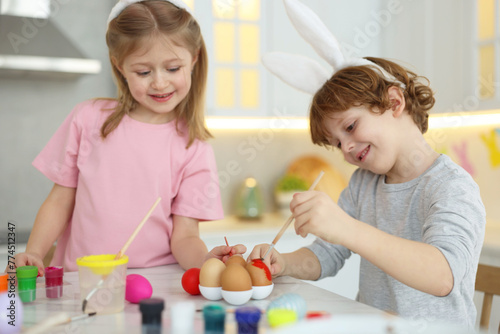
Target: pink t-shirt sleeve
58,160
199,195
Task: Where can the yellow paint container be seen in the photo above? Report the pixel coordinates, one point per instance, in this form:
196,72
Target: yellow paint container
109,276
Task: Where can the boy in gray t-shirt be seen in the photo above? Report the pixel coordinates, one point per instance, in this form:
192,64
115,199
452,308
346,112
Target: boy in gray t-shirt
442,208
415,217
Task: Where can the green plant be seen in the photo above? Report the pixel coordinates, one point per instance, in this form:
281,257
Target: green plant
291,182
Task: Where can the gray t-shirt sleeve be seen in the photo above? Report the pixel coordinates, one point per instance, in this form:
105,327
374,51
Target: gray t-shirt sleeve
455,223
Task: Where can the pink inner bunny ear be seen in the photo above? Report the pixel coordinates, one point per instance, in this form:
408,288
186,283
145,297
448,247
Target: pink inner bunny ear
300,72
314,31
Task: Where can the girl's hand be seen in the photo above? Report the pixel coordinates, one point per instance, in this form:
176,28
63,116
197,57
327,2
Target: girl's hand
316,213
225,252
28,259
274,260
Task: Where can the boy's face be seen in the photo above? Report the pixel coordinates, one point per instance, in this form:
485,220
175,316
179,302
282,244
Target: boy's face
159,77
366,139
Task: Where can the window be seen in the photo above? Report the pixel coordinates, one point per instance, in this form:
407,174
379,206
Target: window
233,32
236,58
488,49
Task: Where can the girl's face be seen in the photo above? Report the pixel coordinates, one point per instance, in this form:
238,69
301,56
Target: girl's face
366,139
159,78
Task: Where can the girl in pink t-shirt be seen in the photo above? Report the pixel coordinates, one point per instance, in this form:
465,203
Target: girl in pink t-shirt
112,158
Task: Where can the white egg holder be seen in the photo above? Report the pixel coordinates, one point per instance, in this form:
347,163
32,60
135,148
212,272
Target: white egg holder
236,297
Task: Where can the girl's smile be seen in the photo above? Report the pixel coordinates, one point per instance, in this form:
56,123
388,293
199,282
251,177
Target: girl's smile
162,98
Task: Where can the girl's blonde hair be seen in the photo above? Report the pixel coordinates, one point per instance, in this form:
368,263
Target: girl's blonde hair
126,33
364,86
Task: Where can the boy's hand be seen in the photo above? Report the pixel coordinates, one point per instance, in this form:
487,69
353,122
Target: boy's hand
316,213
274,260
225,252
28,259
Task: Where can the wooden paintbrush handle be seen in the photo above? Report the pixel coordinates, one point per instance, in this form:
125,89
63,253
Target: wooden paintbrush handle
290,219
283,229
137,229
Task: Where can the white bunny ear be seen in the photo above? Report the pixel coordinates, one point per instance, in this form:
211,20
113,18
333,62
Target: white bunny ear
304,73
300,72
314,31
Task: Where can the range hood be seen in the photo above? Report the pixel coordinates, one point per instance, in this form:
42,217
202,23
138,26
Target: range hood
32,45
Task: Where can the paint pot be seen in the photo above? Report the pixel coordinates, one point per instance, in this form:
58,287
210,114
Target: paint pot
151,310
3,282
247,318
214,316
290,301
107,276
182,317
26,283
54,282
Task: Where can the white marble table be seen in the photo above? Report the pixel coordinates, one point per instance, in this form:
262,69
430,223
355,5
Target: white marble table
166,282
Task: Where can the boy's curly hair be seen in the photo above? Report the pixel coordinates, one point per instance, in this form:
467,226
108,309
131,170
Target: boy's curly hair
365,86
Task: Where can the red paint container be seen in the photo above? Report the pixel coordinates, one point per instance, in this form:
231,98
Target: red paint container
54,282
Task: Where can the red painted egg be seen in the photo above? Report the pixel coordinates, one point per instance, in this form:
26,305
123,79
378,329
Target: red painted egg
259,272
191,281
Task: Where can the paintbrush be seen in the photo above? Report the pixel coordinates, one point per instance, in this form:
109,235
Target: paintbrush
57,319
290,219
121,253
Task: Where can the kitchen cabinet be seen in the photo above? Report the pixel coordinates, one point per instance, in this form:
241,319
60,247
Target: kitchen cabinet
436,39
433,38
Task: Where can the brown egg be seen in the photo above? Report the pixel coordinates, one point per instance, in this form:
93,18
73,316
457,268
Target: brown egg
236,278
236,259
210,272
259,272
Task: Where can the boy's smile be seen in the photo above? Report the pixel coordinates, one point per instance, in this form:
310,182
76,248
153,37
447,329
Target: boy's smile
361,156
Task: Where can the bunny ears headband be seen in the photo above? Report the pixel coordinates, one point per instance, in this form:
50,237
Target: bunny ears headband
304,73
122,4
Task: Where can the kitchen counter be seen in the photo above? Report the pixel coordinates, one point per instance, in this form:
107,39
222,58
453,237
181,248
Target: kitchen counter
166,282
231,223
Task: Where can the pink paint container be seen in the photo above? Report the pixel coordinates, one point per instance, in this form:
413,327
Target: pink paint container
54,282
